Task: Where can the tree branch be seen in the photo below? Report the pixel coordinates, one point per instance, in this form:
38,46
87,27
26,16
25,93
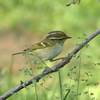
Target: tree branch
52,69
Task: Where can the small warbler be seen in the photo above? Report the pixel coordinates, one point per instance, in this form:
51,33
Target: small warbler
48,48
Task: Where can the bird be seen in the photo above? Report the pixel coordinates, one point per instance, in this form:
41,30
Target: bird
49,48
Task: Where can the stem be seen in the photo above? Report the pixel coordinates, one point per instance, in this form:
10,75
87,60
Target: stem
35,82
10,72
79,71
60,84
88,88
36,92
65,98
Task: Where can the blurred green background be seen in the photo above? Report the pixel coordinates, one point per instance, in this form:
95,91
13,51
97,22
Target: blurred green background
25,22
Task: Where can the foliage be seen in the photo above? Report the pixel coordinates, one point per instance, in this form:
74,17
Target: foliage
33,17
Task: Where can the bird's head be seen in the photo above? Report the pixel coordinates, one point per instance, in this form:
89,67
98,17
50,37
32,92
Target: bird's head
57,36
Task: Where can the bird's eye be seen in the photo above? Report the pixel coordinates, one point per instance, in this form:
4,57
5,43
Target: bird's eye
56,39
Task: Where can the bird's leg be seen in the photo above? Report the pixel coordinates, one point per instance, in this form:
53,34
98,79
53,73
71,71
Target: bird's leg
63,58
44,63
47,68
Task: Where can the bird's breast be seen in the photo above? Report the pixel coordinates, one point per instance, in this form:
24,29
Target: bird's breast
50,53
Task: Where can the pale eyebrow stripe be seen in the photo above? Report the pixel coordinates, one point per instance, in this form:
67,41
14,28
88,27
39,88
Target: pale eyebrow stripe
53,33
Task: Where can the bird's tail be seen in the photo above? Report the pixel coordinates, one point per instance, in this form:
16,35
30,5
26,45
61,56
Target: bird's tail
18,53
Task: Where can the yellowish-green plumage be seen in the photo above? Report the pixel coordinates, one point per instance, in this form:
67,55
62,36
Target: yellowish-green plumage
48,48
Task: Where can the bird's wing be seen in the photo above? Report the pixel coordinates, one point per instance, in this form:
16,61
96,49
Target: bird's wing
41,45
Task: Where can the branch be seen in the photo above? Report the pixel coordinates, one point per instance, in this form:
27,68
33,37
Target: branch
73,2
52,69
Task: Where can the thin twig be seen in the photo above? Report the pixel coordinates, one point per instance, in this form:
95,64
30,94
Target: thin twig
53,69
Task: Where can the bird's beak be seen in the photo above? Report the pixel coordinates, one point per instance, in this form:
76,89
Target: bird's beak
69,37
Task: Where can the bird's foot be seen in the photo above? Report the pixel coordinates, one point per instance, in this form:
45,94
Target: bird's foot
63,58
48,69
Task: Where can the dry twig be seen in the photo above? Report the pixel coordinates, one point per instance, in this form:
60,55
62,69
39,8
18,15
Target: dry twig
53,69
